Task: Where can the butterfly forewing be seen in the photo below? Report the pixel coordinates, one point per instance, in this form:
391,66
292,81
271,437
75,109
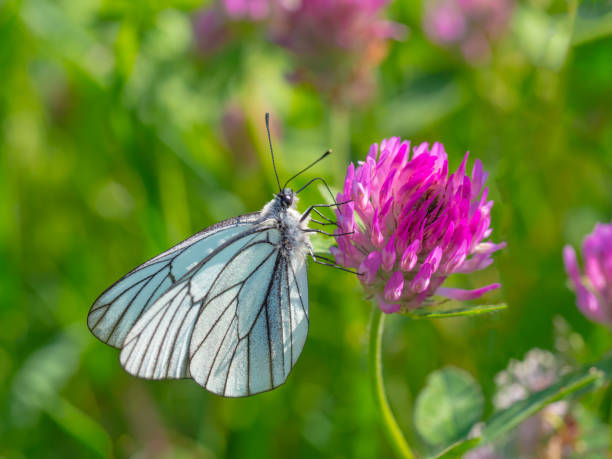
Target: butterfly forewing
235,323
116,311
155,347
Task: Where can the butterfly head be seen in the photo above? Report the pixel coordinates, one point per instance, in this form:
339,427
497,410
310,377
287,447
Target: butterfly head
286,197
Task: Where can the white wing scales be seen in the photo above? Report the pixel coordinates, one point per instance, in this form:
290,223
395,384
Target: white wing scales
156,348
298,300
236,323
116,311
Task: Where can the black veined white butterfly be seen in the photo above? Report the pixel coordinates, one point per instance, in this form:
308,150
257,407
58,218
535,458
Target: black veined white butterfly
227,307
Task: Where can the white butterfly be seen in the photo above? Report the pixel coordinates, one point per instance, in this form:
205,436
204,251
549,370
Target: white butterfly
227,307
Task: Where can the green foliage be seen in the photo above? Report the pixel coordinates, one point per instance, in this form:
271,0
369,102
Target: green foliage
114,145
458,448
448,406
502,422
442,313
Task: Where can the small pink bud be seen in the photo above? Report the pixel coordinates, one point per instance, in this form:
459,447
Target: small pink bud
409,257
350,175
434,258
369,266
593,270
346,218
457,257
421,281
360,195
377,236
394,287
389,255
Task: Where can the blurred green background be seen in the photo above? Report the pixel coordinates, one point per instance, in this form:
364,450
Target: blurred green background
119,137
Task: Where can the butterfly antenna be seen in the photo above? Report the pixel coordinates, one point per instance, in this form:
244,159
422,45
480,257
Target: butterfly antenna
328,152
272,151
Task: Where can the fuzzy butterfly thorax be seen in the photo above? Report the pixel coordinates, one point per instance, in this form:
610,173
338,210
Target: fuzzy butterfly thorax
282,209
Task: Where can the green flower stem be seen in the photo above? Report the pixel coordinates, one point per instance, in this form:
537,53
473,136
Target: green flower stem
392,430
608,398
572,8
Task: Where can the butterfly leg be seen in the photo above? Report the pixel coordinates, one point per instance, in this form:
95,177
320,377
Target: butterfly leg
321,223
314,206
313,230
320,260
328,221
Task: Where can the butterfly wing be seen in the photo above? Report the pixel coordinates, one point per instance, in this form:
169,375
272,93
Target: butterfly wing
236,324
116,310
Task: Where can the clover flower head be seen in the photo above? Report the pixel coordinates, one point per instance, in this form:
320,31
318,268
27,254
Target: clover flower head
593,288
473,25
411,225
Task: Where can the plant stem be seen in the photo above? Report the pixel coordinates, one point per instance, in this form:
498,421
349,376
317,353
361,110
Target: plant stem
572,9
608,399
392,430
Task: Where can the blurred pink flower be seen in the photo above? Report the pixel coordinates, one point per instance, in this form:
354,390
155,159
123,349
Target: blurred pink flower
213,26
254,10
470,24
413,224
336,44
237,136
210,30
594,288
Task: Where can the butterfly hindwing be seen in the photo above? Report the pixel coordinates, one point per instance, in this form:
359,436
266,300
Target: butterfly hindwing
241,345
117,309
257,339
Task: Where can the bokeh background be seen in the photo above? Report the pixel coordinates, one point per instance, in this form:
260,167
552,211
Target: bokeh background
126,126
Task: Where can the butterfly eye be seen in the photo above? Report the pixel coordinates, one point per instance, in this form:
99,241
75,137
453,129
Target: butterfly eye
288,197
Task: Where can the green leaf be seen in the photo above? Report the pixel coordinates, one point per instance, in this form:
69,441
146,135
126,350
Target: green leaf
594,21
53,26
457,449
440,313
126,49
505,420
448,406
585,379
544,39
38,383
80,425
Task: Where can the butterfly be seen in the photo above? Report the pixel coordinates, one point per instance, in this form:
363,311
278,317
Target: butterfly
227,307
